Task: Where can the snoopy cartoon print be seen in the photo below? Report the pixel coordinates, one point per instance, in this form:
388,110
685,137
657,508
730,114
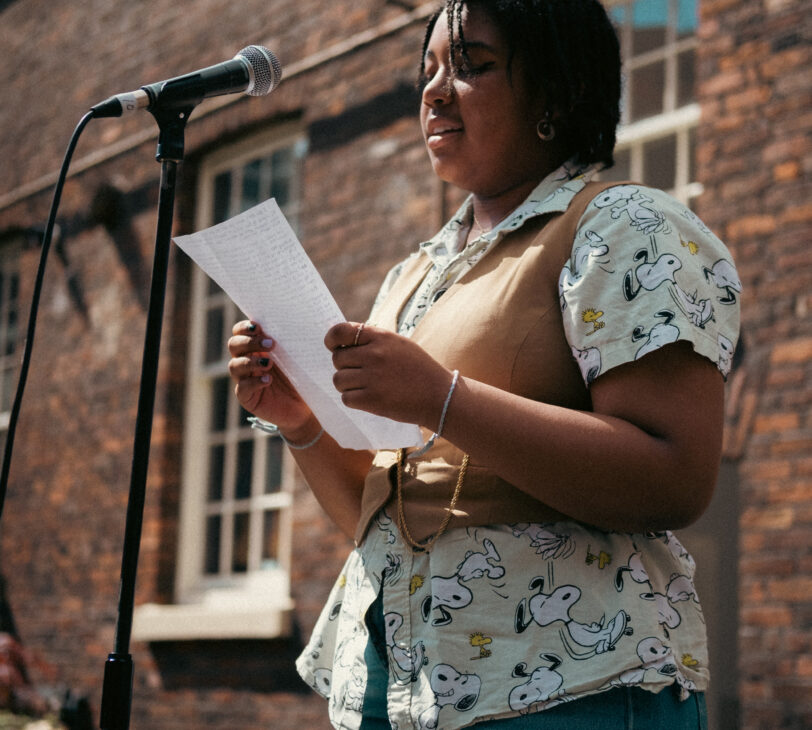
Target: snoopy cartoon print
726,350
547,543
699,311
589,362
649,274
724,275
654,656
407,662
662,333
629,200
573,270
451,688
542,684
450,593
667,616
634,569
544,609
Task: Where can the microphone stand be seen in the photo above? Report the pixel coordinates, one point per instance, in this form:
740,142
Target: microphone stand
118,670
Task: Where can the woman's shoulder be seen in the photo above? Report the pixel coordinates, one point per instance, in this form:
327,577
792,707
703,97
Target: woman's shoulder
643,210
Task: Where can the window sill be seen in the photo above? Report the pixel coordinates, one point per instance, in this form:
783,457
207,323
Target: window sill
196,622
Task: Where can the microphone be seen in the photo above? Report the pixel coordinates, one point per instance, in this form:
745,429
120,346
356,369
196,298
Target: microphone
254,70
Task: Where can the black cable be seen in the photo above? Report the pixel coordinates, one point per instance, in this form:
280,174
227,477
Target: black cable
32,317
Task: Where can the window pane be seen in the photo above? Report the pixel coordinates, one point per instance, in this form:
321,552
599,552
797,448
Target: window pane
647,84
245,455
239,554
9,384
217,458
650,21
213,534
213,287
686,18
11,331
692,153
251,192
282,172
220,393
685,77
270,537
215,339
618,15
222,197
273,466
660,162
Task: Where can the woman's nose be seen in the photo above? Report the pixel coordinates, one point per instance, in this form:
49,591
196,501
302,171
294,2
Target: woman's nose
439,89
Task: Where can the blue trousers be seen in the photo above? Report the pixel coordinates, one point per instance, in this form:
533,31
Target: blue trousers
623,708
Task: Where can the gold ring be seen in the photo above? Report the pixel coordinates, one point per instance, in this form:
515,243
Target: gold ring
358,334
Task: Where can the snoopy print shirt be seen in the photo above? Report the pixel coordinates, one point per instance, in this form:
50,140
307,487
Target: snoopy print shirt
503,620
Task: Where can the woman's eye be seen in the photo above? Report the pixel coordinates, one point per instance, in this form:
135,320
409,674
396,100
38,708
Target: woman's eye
424,79
468,69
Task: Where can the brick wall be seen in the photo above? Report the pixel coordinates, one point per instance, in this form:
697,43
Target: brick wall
61,534
755,158
62,531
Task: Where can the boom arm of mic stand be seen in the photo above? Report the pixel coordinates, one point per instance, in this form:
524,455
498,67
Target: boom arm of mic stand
118,670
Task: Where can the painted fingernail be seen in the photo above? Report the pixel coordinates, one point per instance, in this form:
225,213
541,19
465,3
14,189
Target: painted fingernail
263,362
266,378
267,343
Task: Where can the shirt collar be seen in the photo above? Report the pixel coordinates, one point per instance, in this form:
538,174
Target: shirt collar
552,195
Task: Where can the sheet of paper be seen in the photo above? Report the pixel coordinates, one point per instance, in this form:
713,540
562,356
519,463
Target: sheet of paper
256,258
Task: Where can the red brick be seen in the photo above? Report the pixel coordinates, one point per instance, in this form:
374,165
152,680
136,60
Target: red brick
767,616
776,422
751,225
794,351
794,590
787,171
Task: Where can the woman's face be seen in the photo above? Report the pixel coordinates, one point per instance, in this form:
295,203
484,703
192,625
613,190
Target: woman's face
479,123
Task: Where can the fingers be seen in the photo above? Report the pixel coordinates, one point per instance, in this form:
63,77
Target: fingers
346,334
249,366
253,366
248,337
249,392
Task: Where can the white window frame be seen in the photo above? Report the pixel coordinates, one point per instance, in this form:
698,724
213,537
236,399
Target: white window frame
255,603
677,121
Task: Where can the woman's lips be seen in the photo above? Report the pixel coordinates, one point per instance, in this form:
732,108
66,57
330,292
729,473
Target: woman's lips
439,133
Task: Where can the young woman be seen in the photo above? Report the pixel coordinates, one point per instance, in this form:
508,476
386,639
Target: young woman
567,340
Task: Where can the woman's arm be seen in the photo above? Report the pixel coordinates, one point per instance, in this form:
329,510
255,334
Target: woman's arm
645,458
334,474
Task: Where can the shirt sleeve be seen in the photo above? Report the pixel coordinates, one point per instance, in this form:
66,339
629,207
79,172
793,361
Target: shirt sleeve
645,272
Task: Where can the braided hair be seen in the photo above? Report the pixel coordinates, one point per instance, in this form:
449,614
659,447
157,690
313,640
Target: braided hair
571,57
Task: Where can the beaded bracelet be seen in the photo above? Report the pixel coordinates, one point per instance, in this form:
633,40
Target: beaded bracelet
273,430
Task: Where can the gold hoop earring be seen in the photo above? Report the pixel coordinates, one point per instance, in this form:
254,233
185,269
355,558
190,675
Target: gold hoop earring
545,129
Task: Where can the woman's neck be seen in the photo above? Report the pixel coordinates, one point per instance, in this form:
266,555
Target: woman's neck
489,211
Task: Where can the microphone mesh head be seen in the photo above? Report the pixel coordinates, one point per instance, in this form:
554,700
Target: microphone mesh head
266,71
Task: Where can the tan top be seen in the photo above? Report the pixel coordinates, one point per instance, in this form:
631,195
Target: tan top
499,324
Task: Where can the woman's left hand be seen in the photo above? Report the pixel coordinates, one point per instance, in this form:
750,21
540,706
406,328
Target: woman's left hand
387,374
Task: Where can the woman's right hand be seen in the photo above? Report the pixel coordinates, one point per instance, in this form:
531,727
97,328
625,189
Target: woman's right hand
260,386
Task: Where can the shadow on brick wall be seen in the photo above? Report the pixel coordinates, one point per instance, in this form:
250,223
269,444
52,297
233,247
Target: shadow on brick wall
254,665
